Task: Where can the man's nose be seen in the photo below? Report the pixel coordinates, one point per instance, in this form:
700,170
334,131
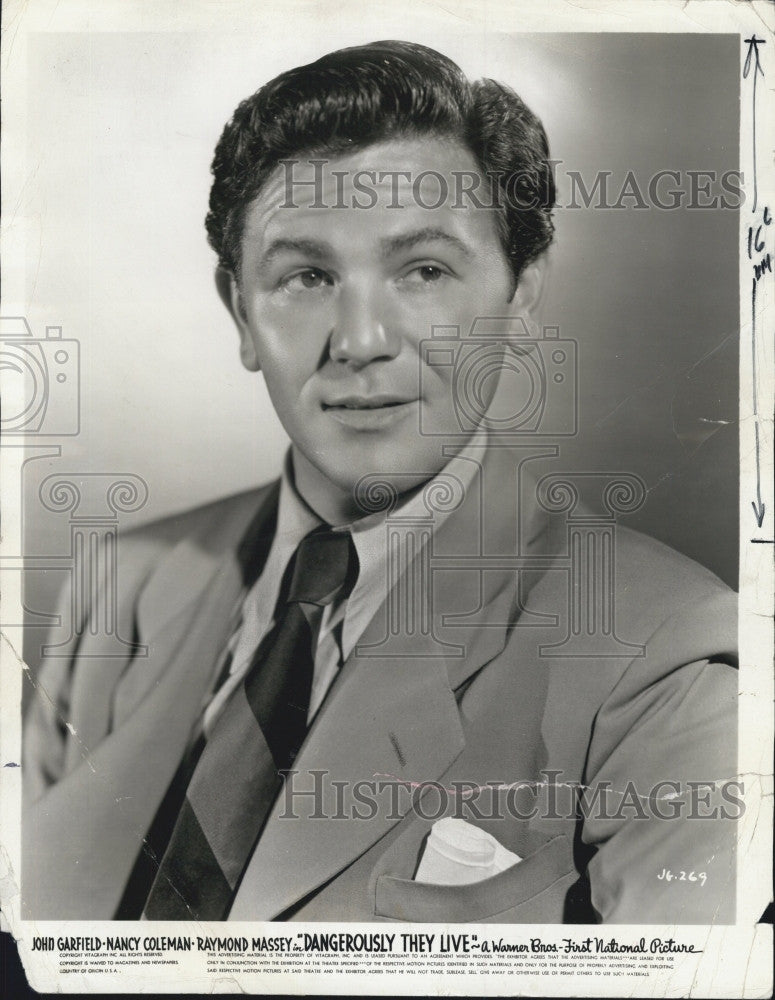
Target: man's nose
362,331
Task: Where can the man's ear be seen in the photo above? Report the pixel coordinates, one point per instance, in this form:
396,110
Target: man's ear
230,295
530,290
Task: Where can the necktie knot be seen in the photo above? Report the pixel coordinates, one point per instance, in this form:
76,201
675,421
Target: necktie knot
326,565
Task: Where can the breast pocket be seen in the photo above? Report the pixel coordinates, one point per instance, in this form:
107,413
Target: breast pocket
532,891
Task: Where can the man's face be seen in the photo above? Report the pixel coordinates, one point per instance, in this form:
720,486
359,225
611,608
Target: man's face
333,303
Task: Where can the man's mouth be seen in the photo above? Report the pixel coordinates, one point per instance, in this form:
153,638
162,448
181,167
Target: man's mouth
366,403
369,413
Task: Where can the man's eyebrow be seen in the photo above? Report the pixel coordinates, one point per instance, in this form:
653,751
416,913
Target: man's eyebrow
428,234
284,244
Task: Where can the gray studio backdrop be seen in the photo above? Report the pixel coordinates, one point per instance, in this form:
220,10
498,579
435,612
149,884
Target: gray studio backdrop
121,131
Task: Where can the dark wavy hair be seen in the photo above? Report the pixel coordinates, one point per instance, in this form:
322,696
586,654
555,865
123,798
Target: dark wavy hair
359,96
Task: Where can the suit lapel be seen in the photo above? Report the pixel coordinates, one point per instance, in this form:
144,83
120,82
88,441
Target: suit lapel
386,720
389,723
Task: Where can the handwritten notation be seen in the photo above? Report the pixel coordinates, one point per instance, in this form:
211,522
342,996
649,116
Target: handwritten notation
761,262
752,58
760,258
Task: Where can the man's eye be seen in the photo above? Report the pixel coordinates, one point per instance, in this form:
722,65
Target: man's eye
424,275
309,279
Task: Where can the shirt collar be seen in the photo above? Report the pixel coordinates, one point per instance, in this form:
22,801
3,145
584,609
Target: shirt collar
295,518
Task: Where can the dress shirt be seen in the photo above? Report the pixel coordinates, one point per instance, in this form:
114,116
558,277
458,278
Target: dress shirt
343,622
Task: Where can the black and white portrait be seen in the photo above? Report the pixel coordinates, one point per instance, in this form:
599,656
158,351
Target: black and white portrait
380,397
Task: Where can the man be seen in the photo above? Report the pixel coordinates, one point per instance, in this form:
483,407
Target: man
396,685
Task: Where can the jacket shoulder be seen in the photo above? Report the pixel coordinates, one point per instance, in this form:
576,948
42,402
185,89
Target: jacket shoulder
210,529
639,609
649,583
654,583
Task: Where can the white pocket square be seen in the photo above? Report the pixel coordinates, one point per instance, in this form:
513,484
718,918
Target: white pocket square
458,853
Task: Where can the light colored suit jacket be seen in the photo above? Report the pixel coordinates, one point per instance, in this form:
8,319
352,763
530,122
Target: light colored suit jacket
507,711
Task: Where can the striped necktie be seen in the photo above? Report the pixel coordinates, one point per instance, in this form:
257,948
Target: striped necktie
257,735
